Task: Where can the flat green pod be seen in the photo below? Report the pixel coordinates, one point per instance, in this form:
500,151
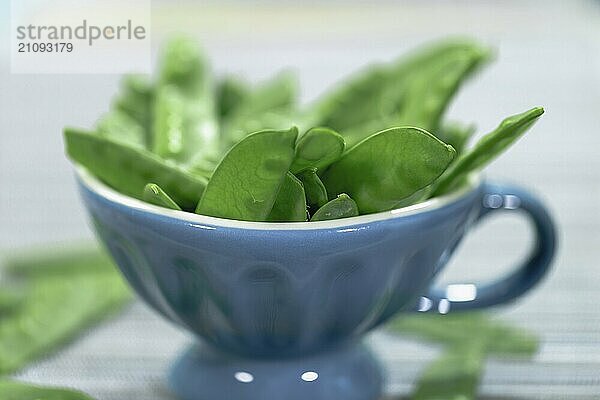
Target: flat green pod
340,207
459,329
388,167
153,194
487,149
246,182
316,194
455,375
318,148
169,122
128,169
290,204
13,390
55,310
389,94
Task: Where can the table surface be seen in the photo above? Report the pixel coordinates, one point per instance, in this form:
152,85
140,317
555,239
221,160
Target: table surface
548,54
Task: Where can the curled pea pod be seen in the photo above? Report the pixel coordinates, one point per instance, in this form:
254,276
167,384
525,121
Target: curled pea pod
340,207
388,167
290,204
128,169
13,390
153,194
316,194
120,127
246,182
487,149
318,148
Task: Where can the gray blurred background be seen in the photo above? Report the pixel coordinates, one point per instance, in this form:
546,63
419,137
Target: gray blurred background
548,53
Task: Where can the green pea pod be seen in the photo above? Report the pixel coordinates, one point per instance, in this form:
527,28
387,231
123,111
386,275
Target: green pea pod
128,169
169,120
385,95
187,75
13,390
318,148
58,260
246,182
487,149
316,194
135,100
460,329
153,194
120,127
231,93
455,375
340,207
433,85
388,167
290,204
55,310
456,135
10,298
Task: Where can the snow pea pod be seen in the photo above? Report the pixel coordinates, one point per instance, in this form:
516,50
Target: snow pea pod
169,122
128,169
135,100
487,149
386,95
55,309
316,194
153,194
432,86
246,182
455,375
120,127
340,207
388,167
13,390
318,148
290,204
185,71
463,328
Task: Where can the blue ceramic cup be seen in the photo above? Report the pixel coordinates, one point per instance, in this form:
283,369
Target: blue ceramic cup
280,308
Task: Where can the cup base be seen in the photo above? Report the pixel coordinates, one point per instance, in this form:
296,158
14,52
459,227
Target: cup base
347,372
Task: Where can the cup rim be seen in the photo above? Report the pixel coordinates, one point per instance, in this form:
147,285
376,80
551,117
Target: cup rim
204,221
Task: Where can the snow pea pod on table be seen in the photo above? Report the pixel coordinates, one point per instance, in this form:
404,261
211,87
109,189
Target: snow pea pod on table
13,390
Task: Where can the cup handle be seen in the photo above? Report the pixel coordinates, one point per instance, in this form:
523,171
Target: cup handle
501,198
